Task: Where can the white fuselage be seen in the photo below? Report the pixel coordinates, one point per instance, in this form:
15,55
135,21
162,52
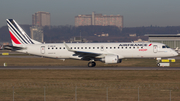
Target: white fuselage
104,52
123,50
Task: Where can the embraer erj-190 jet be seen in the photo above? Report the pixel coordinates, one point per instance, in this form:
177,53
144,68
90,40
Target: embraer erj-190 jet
104,52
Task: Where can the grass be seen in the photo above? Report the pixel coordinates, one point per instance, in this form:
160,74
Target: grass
11,61
89,76
92,85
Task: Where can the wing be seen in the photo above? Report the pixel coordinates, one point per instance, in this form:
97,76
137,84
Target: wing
83,54
86,55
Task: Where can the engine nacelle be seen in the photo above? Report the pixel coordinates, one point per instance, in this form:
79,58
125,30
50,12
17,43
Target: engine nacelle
111,59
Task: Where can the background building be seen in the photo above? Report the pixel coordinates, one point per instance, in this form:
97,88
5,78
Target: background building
41,19
37,33
99,19
172,40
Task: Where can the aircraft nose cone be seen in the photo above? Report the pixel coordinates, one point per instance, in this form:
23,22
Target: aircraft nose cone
176,54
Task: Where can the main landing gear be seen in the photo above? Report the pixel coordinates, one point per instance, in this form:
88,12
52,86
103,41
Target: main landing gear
158,61
91,64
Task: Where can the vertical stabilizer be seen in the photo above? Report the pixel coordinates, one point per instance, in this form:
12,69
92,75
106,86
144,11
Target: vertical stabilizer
18,35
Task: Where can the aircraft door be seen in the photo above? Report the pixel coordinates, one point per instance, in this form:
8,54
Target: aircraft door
42,49
155,48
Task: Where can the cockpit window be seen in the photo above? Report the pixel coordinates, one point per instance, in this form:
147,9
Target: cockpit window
165,46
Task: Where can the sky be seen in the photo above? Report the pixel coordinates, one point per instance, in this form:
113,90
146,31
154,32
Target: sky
136,13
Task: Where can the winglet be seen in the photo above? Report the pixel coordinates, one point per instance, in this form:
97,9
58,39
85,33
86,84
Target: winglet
67,47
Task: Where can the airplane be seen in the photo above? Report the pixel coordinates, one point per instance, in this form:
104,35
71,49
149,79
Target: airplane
109,53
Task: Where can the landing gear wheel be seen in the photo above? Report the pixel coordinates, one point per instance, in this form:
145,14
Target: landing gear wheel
94,64
91,64
158,64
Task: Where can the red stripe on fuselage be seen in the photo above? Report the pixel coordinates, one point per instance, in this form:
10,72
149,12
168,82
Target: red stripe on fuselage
14,39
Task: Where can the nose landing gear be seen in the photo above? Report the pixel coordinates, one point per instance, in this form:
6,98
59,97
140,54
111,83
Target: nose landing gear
158,61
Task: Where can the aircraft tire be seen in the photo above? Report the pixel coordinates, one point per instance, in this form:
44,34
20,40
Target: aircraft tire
158,64
94,64
91,64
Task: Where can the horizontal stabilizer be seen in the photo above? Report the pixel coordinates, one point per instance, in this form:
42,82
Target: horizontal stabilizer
9,47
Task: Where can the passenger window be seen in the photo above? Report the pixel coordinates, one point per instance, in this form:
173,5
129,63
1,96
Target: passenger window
114,47
129,47
163,46
106,47
118,47
64,48
71,47
85,47
110,47
97,47
134,47
81,47
122,47
74,47
126,47
93,47
89,47
59,47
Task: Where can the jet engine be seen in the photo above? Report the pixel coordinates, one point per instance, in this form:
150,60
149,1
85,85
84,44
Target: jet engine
111,59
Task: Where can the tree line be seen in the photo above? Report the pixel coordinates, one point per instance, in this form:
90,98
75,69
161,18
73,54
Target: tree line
59,33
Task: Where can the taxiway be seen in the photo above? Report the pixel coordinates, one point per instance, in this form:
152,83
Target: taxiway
88,68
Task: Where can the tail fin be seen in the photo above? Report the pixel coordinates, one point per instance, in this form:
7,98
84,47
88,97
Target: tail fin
18,35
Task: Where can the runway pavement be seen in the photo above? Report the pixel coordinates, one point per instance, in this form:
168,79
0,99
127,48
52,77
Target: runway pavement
88,68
